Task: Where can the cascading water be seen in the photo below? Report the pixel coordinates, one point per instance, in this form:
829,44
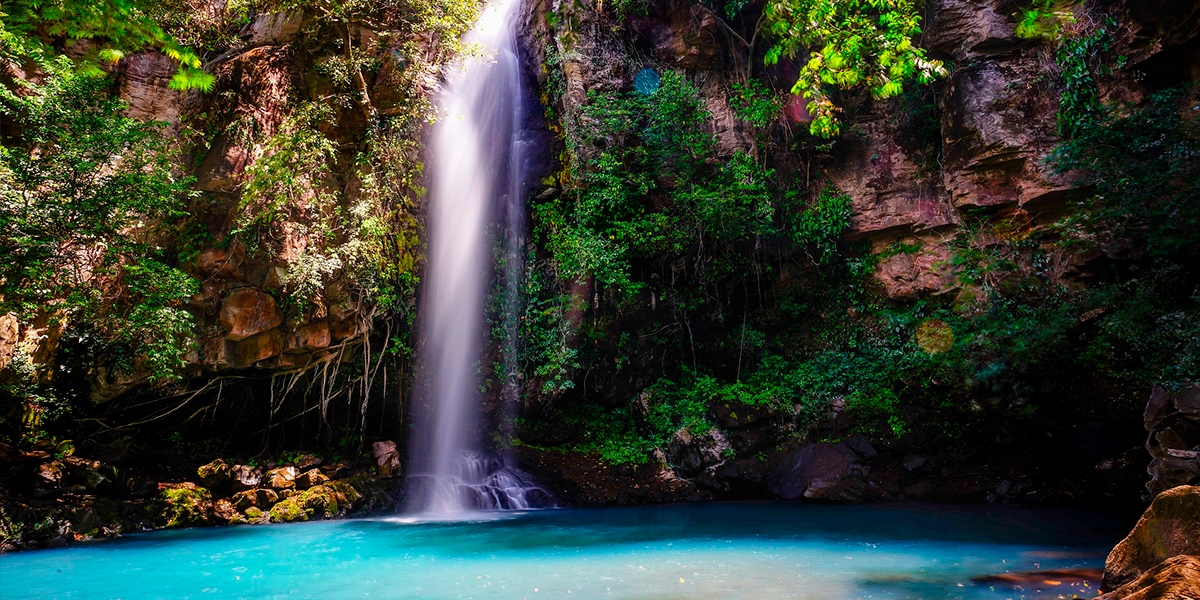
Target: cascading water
476,158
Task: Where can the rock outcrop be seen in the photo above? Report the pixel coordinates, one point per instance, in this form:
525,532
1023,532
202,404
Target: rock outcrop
820,471
1170,527
1177,578
1173,419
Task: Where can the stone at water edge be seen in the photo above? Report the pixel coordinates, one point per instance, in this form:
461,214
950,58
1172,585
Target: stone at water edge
282,478
215,475
819,471
184,505
1170,527
245,477
692,453
387,460
1177,578
258,498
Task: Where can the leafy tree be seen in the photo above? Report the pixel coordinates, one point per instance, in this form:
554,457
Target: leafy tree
121,27
851,44
87,197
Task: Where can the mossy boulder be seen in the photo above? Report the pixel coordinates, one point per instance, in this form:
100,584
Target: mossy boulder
255,515
288,511
348,497
260,498
183,505
215,475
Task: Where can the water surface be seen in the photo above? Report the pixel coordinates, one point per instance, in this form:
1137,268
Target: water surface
717,551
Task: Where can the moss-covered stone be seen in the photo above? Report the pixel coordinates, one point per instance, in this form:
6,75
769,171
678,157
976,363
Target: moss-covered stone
255,515
184,505
216,474
348,497
288,510
319,501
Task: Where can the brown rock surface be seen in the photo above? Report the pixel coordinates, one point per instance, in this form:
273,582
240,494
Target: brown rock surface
1177,578
387,460
248,311
282,478
1170,527
245,477
259,498
310,478
258,348
819,471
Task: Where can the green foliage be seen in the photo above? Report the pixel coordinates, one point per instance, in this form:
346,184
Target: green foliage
1144,168
545,333
851,44
1079,57
1045,19
122,27
755,104
88,199
822,223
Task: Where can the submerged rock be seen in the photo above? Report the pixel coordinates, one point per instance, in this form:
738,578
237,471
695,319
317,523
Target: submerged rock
1170,527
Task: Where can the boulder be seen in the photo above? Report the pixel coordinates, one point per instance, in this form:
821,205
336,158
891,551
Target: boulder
184,505
318,502
310,478
258,498
1170,527
1172,418
387,460
256,515
1177,578
692,453
96,476
215,475
249,311
309,337
305,462
282,478
245,477
819,471
224,512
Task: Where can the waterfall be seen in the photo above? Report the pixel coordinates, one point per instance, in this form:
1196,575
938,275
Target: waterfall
475,158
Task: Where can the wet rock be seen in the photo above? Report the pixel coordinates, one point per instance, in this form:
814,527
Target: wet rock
288,510
348,496
819,471
184,505
245,477
692,453
309,479
259,498
215,475
387,460
224,512
96,476
282,478
1177,578
318,502
248,311
256,515
1170,527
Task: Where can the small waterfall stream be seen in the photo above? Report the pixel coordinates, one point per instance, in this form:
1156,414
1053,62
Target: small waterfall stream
476,161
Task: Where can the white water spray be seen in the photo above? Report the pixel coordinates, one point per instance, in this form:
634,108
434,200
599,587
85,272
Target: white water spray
476,159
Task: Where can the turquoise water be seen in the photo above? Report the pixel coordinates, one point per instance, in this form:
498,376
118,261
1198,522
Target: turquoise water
717,551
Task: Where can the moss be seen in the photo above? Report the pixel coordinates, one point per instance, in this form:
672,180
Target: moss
288,511
184,506
349,497
254,514
319,501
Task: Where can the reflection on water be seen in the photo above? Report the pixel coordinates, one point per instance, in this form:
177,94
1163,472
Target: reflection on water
687,551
